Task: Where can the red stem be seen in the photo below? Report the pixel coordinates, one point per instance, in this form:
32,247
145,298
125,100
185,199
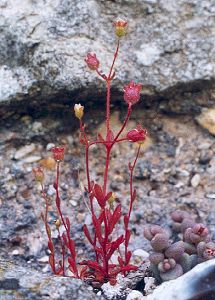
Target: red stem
46,224
107,162
114,59
61,215
108,81
124,124
63,251
131,168
108,106
104,246
131,180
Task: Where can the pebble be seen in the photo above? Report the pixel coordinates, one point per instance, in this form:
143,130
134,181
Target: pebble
207,119
49,146
204,146
43,259
141,253
37,126
150,285
88,219
195,180
135,295
183,173
15,252
73,203
210,195
31,159
23,151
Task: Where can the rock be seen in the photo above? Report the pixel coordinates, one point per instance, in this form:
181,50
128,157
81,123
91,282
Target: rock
198,284
210,195
44,45
149,285
26,283
31,159
140,255
195,180
15,252
135,295
207,120
23,151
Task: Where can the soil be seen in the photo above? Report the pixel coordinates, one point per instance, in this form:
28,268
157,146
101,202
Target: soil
176,170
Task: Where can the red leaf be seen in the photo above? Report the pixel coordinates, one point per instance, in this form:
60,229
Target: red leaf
87,234
128,257
115,218
98,250
72,265
99,195
101,217
115,245
72,248
97,227
120,260
51,246
108,196
93,265
51,262
124,269
100,138
68,224
126,220
83,272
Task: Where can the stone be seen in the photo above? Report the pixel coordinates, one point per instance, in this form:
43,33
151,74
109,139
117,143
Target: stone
23,151
195,180
207,120
210,195
18,282
135,295
44,44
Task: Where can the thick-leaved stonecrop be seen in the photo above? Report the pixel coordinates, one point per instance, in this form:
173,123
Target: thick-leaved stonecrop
103,238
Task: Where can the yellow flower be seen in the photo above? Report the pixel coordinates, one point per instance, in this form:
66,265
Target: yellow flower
39,175
120,27
79,111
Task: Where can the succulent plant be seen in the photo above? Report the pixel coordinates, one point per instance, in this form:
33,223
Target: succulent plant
170,260
165,255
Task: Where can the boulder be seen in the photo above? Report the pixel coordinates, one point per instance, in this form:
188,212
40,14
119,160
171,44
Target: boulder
170,48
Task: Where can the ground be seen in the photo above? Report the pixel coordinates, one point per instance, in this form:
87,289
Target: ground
176,170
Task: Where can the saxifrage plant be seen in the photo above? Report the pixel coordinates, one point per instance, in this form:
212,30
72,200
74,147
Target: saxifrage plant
103,239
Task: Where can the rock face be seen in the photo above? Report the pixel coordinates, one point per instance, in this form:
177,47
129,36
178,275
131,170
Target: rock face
44,42
20,283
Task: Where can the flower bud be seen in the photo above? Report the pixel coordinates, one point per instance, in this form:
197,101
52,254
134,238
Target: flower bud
120,27
38,173
92,61
112,199
57,223
132,93
137,135
79,111
58,153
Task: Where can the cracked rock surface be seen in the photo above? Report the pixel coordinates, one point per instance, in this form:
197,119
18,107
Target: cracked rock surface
44,42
